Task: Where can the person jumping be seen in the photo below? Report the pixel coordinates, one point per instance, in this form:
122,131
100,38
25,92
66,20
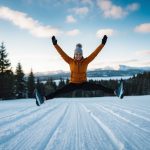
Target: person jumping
78,77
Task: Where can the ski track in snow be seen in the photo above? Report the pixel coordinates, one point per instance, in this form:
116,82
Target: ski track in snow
130,112
76,124
124,119
11,129
110,134
16,113
134,108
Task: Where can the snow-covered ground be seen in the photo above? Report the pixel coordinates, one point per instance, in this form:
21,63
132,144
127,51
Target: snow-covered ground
104,123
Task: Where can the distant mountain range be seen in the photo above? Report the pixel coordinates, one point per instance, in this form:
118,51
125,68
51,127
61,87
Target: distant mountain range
100,72
123,67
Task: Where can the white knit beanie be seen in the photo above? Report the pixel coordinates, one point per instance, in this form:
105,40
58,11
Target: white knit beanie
78,49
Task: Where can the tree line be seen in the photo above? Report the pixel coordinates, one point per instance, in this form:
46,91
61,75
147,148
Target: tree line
15,85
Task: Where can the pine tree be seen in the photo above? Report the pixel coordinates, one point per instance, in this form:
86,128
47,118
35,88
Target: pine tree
67,81
6,75
50,86
40,86
20,82
9,92
31,85
4,62
61,83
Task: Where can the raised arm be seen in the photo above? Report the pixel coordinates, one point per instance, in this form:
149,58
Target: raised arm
97,50
60,51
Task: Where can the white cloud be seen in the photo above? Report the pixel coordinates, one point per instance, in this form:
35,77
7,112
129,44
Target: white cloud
73,32
143,28
80,10
70,19
115,63
111,10
87,2
100,33
143,53
146,63
133,7
23,21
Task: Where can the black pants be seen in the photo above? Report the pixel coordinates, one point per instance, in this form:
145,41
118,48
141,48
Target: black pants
76,86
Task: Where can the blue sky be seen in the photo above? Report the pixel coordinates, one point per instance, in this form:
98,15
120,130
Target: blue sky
26,27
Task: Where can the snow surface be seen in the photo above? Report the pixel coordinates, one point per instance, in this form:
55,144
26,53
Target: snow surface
102,123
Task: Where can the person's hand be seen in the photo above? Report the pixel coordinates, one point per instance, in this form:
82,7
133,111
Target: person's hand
54,41
104,40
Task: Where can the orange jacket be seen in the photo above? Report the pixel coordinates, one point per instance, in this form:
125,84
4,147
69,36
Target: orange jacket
78,68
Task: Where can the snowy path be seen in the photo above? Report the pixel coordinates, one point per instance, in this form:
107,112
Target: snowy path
76,124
